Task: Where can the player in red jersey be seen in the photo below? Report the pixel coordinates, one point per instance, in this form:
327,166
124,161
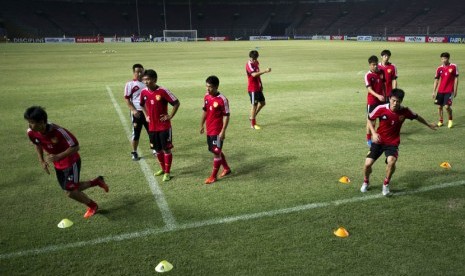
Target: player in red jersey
132,91
154,100
446,82
216,117
255,87
374,82
386,138
390,73
61,149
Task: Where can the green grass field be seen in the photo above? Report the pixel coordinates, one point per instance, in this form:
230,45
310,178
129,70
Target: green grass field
276,213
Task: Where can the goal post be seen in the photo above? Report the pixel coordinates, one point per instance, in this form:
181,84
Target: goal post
179,35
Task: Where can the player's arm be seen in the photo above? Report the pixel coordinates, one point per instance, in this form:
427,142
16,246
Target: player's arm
175,108
394,83
63,154
225,126
435,87
371,126
202,122
376,95
40,155
259,73
456,85
432,126
131,107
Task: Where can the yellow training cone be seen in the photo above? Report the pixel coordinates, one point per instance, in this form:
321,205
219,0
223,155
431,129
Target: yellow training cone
341,232
445,165
65,223
344,179
163,266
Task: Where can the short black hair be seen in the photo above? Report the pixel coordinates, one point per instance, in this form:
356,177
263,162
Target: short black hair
398,93
137,65
386,53
36,114
253,54
213,80
373,59
445,54
151,74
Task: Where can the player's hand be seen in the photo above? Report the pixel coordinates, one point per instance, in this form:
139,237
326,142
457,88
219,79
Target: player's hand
433,126
222,136
45,167
136,114
375,137
202,130
381,98
165,117
268,70
147,119
434,95
52,158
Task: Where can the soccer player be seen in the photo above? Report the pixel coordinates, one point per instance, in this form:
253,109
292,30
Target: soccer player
446,82
387,137
390,73
374,82
61,148
255,87
216,117
154,100
132,98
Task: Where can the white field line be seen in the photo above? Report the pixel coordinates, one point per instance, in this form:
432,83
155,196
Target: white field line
168,217
218,221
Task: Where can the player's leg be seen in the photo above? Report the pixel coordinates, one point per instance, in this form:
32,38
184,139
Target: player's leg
156,145
448,106
253,110
439,101
212,142
374,153
166,142
392,154
136,130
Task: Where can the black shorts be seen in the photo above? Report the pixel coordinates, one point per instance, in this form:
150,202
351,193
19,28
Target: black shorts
161,140
370,108
215,144
137,124
69,178
376,150
256,97
444,99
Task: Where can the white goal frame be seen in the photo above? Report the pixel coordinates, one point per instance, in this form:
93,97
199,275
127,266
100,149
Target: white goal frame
179,35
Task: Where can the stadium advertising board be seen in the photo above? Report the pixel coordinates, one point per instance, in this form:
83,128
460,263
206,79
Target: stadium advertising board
217,38
337,37
350,38
321,37
260,37
415,39
396,38
59,40
89,39
437,39
28,40
117,39
378,38
280,37
302,37
364,38
457,39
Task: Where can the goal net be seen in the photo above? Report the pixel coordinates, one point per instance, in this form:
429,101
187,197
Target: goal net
179,35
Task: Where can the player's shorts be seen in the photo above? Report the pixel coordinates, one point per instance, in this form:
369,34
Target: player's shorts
371,107
215,144
256,97
137,124
161,140
69,178
444,99
376,150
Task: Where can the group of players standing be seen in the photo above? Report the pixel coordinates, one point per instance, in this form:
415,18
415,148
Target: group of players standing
384,101
148,103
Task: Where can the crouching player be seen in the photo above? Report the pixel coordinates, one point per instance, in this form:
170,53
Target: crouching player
216,117
387,137
62,149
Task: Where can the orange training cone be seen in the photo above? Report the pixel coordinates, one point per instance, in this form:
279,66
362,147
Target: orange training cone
445,165
341,232
344,179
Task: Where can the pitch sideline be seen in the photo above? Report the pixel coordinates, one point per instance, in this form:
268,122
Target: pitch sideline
218,221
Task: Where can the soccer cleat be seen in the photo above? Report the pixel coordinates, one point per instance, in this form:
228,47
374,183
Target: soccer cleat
369,143
101,183
166,177
440,124
210,180
91,211
364,187
386,191
450,124
135,156
225,173
257,127
160,172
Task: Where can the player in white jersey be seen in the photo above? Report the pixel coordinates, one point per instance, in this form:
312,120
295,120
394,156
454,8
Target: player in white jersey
132,98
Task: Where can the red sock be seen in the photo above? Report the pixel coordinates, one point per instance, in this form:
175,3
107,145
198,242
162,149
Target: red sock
92,204
366,180
368,137
386,181
253,122
216,166
161,160
223,162
168,161
441,120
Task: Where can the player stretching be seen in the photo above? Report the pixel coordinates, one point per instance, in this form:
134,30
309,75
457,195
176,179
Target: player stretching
216,117
154,100
387,138
255,87
446,82
62,150
374,82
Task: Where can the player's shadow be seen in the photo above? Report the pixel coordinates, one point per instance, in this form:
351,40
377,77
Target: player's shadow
419,179
124,207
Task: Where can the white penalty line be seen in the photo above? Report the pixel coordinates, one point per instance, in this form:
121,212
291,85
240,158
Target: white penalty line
168,217
218,221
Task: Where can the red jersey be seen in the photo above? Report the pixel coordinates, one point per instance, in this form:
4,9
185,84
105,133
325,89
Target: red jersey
376,81
447,74
132,92
216,108
156,105
390,123
254,83
390,74
56,140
